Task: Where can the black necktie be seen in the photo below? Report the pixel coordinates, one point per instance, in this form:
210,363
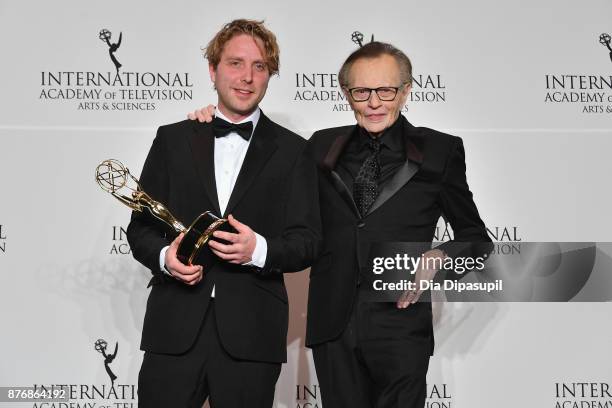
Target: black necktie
365,187
223,128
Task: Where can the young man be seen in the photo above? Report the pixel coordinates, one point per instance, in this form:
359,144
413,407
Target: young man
380,180
219,331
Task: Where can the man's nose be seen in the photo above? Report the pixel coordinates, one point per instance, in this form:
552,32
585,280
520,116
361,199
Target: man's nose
374,101
247,75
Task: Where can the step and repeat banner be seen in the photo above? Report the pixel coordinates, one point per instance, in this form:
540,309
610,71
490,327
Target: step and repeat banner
527,85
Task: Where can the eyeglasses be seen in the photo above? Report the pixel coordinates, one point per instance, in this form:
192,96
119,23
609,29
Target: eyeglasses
384,93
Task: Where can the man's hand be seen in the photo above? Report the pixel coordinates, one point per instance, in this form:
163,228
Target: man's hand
422,274
241,245
189,275
203,115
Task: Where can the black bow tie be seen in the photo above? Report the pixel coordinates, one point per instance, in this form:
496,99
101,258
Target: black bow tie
222,128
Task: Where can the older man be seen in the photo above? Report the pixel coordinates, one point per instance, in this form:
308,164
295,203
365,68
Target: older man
380,180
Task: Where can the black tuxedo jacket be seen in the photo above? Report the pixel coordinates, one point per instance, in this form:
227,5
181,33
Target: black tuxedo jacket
430,184
275,194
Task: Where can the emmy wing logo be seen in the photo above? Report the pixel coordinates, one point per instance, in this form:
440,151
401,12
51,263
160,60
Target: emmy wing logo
105,36
357,38
605,39
100,345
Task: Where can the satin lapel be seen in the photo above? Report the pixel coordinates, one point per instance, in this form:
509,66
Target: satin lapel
329,163
202,144
344,192
335,149
260,149
414,158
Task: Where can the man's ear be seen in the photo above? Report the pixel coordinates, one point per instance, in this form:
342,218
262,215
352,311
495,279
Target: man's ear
407,89
405,92
213,72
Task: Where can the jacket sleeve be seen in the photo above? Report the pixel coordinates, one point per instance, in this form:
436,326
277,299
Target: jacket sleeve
146,234
298,244
458,208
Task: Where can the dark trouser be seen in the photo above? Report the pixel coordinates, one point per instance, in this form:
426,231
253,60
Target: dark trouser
380,360
205,371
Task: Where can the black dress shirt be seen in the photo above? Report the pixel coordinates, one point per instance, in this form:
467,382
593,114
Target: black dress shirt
392,154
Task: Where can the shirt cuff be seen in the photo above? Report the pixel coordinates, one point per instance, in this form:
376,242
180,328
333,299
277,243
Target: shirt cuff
162,260
258,258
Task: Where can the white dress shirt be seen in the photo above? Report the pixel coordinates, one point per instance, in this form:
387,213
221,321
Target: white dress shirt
229,155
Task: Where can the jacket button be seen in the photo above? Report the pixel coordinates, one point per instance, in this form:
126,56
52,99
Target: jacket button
361,224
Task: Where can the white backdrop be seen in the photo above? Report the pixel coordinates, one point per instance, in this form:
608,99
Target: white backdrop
536,166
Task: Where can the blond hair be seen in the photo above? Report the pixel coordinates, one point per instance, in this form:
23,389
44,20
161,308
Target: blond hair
255,29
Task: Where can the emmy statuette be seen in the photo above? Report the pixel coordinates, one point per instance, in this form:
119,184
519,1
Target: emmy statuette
113,177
